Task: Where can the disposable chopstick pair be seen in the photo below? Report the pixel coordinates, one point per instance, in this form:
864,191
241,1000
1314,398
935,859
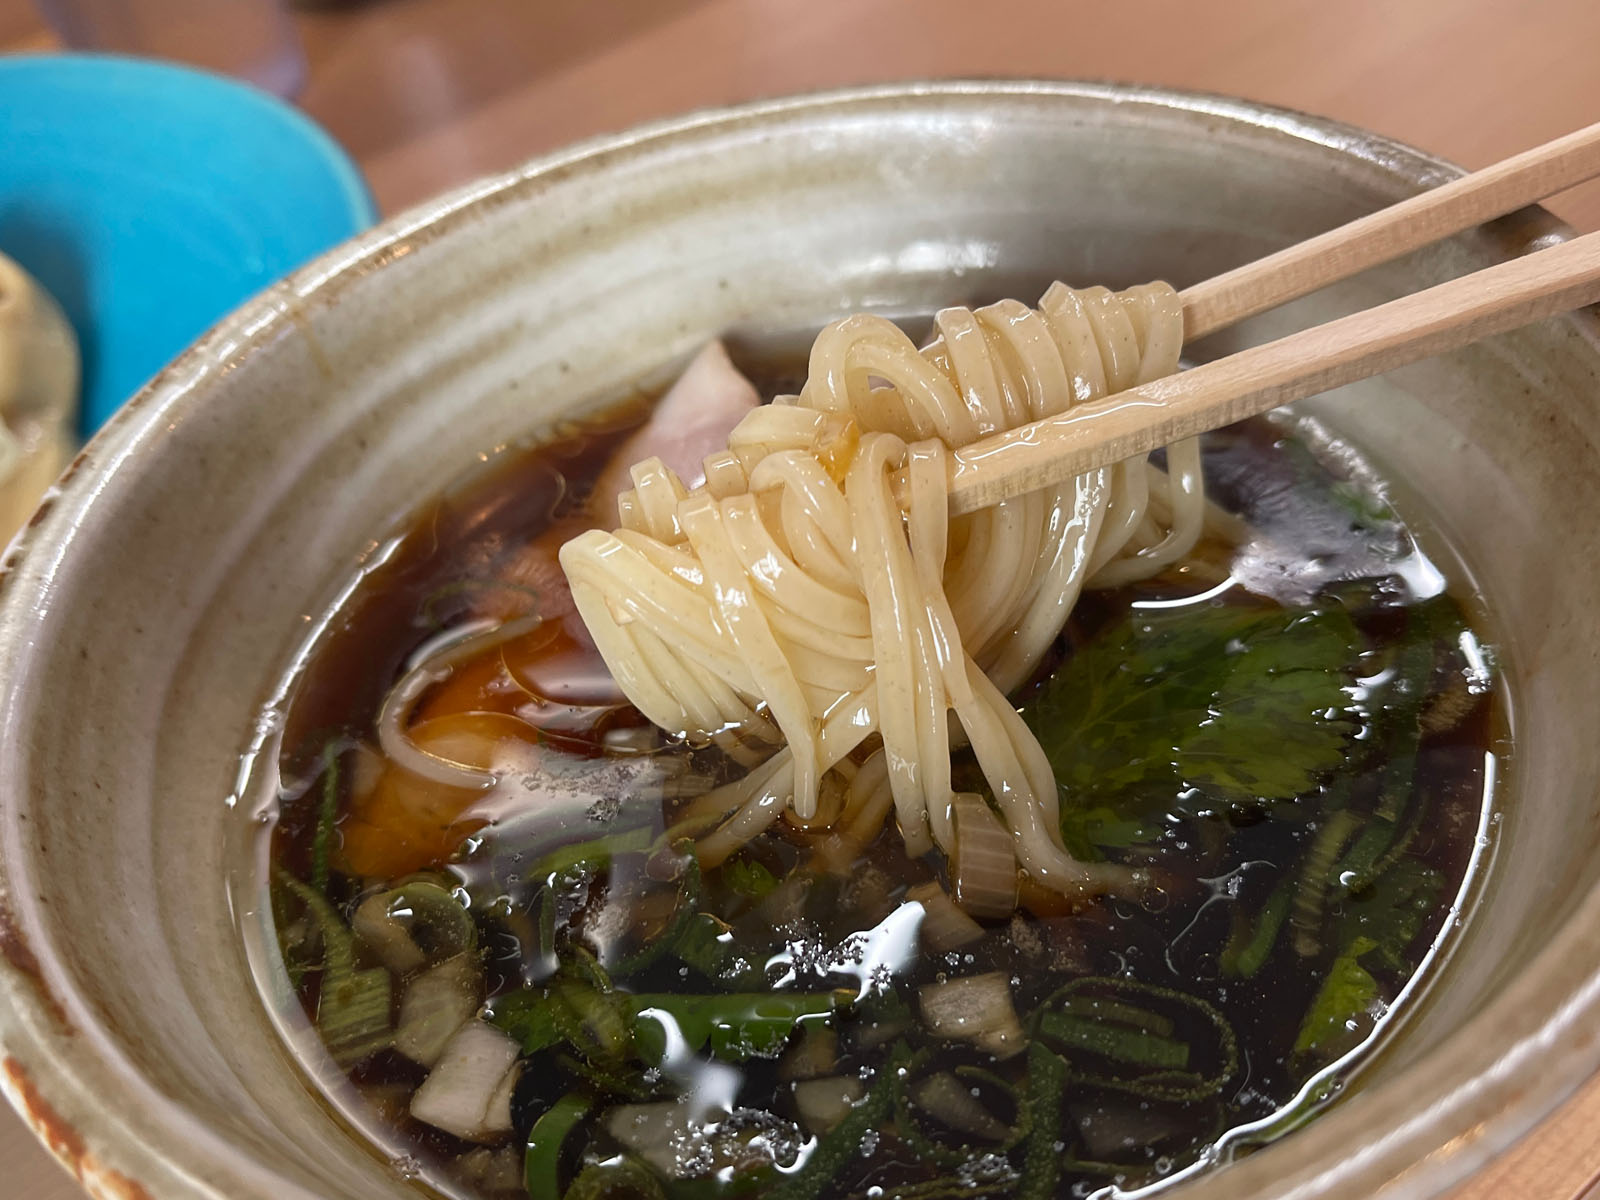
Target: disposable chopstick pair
1442,318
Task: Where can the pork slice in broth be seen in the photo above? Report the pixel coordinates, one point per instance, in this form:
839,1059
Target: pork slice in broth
693,419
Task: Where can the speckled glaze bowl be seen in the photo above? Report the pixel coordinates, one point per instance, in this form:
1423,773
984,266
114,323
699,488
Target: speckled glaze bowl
146,613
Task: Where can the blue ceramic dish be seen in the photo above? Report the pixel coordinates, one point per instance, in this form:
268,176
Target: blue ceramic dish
151,199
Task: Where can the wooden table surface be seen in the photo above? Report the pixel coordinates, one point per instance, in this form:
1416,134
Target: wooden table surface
429,93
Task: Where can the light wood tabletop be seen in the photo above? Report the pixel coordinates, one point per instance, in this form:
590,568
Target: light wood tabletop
430,93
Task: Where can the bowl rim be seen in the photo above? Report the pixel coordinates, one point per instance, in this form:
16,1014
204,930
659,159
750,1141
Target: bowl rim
53,1056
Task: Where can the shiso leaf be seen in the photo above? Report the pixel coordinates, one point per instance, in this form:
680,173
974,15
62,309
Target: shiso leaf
1376,928
1347,992
748,877
1390,913
730,1027
1234,705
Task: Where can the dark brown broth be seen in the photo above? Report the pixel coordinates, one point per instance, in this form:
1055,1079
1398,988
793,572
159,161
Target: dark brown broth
1216,870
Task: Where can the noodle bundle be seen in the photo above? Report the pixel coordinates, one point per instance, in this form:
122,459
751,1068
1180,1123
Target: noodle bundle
792,607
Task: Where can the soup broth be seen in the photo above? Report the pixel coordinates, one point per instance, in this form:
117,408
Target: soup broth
538,990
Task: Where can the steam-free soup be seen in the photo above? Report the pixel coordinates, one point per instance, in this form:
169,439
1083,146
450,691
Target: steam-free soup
539,988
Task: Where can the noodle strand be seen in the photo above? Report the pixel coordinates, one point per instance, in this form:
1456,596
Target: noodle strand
791,599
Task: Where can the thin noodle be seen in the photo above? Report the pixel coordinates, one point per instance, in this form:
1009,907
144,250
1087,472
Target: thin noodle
793,591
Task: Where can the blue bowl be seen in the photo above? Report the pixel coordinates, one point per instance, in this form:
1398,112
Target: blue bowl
152,199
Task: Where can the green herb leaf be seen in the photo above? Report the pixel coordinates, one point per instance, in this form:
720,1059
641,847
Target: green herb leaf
842,1143
528,1016
1347,991
1390,913
748,877
1245,704
733,1027
1113,1042
1376,929
1087,831
1047,1084
707,944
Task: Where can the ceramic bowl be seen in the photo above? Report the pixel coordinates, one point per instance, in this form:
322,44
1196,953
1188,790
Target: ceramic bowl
161,591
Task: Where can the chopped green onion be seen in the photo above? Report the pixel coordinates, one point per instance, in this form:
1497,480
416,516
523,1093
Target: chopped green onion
823,1103
1249,948
976,1009
942,1095
327,812
595,1022
417,923
814,1054
944,926
353,1006
1161,1059
541,1166
436,1003
1428,627
1384,841
951,1099
468,1093
608,1079
595,855
1319,870
682,915
1098,1008
353,1014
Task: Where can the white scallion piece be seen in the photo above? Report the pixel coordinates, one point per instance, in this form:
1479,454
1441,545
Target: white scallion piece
386,937
436,1004
458,1094
984,864
944,1096
944,926
823,1103
658,1133
975,1009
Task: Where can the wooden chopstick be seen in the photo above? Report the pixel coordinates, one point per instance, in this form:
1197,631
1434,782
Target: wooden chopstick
1355,347
1387,234
1134,422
